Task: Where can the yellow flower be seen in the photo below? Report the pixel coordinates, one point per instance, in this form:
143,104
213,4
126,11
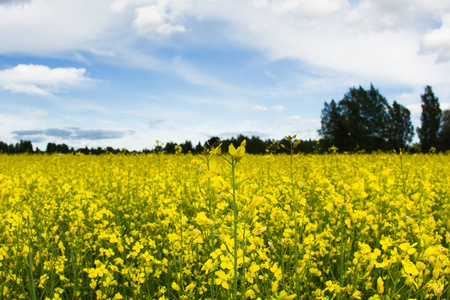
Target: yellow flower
356,295
384,264
202,219
222,279
175,286
252,174
436,272
290,138
410,268
380,285
436,286
284,296
258,231
406,247
213,170
219,184
118,296
190,287
250,294
420,266
217,150
237,153
255,202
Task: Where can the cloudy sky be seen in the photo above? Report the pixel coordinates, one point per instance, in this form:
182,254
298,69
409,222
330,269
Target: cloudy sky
125,73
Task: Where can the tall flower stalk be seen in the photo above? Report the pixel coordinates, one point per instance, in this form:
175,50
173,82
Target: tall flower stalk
292,144
236,155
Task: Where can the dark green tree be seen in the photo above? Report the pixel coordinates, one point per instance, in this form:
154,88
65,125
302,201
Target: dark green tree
51,148
333,131
62,148
365,117
255,145
444,134
3,147
401,130
170,148
187,147
199,148
431,120
24,147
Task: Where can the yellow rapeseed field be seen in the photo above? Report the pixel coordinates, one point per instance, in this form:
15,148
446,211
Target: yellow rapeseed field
224,226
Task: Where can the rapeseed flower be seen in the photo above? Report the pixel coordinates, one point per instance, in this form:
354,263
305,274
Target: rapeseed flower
380,285
220,185
237,153
202,219
139,222
175,286
222,279
283,295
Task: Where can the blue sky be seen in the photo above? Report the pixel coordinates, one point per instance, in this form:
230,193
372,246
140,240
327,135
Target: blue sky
125,73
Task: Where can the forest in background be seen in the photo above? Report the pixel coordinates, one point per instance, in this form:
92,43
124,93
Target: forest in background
362,120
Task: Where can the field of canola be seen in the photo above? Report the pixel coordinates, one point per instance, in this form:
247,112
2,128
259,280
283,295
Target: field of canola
158,226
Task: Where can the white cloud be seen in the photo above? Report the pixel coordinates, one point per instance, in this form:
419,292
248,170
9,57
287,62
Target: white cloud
332,45
278,108
305,128
372,40
190,73
408,97
259,108
348,40
415,109
317,8
41,80
260,3
298,121
161,17
120,5
438,41
35,113
53,26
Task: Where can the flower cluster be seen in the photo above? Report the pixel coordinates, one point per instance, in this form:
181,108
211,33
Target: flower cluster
161,226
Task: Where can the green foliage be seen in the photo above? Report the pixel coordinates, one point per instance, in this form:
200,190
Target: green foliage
431,121
444,134
401,130
333,131
363,120
365,117
22,147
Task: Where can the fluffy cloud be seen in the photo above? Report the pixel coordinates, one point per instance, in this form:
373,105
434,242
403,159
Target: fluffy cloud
278,108
305,8
305,128
438,41
160,18
415,109
49,27
259,108
41,80
368,40
355,37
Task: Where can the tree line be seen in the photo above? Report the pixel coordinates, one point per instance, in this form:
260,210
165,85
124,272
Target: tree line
255,145
364,120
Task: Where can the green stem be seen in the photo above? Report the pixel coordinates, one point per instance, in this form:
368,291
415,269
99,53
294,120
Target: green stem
30,262
211,231
233,165
294,207
342,248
